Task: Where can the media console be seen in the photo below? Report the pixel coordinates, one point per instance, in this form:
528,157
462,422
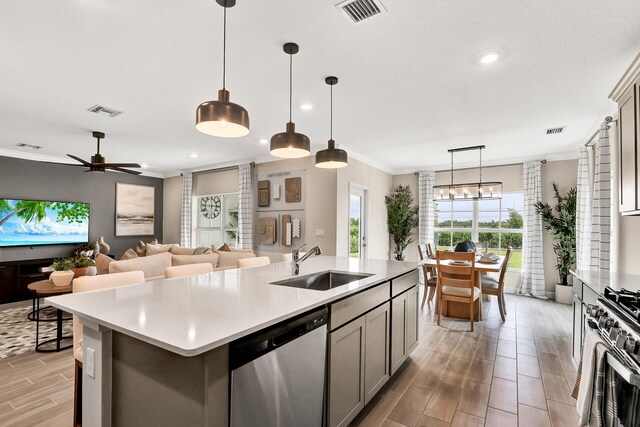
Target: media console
15,276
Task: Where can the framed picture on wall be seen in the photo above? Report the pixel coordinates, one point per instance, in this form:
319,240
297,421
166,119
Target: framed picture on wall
135,210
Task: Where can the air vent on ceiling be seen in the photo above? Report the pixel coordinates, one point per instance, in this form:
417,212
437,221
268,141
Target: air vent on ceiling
361,10
554,131
29,146
101,109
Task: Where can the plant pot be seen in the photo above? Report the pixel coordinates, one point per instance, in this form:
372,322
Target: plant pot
61,278
80,271
564,294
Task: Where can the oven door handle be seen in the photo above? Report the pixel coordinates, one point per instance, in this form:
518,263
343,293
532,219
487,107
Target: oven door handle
622,370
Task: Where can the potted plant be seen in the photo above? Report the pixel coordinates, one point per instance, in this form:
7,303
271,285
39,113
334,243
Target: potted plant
402,218
62,274
561,225
82,265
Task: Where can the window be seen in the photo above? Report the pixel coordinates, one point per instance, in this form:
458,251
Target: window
494,224
216,219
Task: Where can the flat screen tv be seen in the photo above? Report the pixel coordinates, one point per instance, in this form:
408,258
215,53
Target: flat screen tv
42,222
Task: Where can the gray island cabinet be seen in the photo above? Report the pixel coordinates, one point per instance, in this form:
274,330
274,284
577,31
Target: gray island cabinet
160,350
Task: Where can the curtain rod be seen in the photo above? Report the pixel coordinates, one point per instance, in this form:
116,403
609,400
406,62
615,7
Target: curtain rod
543,161
224,169
607,120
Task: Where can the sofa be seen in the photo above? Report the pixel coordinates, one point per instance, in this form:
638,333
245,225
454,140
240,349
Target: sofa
152,259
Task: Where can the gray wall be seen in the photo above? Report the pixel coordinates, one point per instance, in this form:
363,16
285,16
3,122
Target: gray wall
26,179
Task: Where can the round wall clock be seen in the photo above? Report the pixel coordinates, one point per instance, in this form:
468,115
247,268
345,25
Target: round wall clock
210,206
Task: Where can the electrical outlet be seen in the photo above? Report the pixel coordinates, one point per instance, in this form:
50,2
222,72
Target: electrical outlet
319,232
90,362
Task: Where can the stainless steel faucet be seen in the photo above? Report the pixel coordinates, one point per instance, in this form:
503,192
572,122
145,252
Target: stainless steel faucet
296,260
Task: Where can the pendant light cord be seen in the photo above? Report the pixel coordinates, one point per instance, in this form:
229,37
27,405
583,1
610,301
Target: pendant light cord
224,48
290,85
331,115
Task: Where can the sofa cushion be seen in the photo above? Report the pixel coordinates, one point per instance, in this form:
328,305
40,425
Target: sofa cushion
129,254
195,259
181,250
158,249
151,265
202,250
241,250
230,259
102,263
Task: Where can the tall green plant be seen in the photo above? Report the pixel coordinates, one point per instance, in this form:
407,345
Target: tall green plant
402,218
562,227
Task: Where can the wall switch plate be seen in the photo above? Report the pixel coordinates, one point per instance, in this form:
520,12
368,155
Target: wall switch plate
319,232
90,362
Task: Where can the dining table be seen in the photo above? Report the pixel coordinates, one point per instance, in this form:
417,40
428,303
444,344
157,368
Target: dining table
457,309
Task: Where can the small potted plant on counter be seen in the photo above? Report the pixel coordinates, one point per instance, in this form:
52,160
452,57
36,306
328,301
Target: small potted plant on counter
561,225
62,273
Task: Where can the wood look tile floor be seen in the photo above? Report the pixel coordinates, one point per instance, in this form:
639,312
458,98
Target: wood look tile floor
512,373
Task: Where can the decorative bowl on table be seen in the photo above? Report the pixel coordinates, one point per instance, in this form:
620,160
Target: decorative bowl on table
489,258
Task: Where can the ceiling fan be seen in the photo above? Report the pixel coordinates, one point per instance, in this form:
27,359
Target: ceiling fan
98,163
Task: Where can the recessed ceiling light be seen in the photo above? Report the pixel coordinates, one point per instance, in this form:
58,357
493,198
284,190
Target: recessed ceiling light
306,106
489,57
264,141
144,165
193,155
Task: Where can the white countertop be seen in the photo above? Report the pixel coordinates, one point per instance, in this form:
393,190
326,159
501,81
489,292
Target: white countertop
597,280
190,316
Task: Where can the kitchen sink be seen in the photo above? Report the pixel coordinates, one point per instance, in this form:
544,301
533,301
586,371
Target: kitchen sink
322,281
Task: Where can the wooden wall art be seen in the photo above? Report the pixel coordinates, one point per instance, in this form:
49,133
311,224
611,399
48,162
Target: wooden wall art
293,190
268,230
264,196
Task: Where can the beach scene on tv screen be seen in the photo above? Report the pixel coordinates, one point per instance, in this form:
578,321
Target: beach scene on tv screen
37,222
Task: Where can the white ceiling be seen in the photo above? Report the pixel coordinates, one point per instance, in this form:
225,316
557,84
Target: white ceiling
411,84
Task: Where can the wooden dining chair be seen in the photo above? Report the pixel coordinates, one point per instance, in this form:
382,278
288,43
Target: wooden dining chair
456,282
430,276
491,286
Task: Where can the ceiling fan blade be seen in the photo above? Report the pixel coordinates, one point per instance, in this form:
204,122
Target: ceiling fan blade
118,165
124,170
84,162
63,164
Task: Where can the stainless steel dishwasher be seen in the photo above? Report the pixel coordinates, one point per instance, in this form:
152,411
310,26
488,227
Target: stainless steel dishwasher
278,374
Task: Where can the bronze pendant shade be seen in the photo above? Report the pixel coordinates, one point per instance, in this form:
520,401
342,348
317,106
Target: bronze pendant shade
290,144
223,118
331,157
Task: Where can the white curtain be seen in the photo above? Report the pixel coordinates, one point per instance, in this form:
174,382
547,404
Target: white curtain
185,210
426,206
532,280
245,206
583,214
601,209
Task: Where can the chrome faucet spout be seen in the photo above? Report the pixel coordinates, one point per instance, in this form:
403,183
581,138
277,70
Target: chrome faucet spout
296,260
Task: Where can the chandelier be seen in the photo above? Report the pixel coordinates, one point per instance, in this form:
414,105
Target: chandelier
468,191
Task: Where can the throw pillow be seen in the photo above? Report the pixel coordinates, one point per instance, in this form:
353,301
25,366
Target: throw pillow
202,250
141,248
157,249
224,248
102,263
195,259
181,250
129,254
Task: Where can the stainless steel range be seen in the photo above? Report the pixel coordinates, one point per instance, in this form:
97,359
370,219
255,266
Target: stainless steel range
617,319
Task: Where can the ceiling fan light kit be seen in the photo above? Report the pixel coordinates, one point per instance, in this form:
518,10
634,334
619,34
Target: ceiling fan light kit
468,191
290,144
223,118
331,157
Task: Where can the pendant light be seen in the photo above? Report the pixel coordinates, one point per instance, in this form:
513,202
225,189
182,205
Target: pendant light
290,144
332,157
469,191
223,118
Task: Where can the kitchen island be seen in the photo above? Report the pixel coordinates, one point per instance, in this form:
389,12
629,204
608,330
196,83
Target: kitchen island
158,353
